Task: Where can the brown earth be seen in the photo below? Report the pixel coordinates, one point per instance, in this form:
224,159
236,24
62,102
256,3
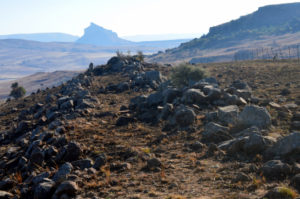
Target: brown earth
184,174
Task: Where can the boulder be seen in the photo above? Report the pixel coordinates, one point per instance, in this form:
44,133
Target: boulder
44,190
68,187
5,195
253,115
171,94
73,152
194,96
295,182
275,169
184,116
83,164
285,146
215,133
228,114
63,172
280,193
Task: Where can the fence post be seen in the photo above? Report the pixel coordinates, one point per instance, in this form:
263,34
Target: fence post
298,53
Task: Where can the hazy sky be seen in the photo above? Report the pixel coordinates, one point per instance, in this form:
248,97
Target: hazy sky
126,17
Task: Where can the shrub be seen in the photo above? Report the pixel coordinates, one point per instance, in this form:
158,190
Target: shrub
182,75
17,91
140,56
287,192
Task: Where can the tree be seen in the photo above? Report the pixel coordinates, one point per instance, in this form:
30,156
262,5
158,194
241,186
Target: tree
17,91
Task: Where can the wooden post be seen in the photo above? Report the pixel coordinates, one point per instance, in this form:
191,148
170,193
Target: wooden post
298,53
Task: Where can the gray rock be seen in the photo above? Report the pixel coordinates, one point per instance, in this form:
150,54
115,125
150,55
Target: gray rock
37,156
253,115
170,95
295,182
155,99
275,169
44,190
100,161
63,172
256,144
6,184
68,187
39,178
278,193
215,133
295,125
166,111
153,164
228,114
285,146
73,152
153,75
184,116
67,105
5,195
124,86
194,96
196,146
83,164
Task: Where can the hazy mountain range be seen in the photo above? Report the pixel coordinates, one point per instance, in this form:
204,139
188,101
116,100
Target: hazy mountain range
20,57
268,26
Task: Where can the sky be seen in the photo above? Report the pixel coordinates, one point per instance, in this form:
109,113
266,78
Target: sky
126,17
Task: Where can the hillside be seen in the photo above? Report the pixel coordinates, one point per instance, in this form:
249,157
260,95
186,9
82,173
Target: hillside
97,35
42,37
268,24
41,80
120,130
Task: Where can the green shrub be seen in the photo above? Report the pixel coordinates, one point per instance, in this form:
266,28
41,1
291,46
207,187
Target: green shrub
140,56
17,91
287,192
181,75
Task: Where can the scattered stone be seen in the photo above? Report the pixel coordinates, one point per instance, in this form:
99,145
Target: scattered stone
44,190
153,164
253,115
280,193
63,172
83,164
228,114
184,116
5,195
68,187
275,169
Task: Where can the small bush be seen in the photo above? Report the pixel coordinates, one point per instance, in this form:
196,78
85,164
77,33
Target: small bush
140,56
181,75
17,91
285,191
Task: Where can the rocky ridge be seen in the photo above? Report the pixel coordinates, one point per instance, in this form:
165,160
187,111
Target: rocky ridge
54,143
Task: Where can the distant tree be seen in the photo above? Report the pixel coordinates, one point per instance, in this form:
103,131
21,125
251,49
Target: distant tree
17,91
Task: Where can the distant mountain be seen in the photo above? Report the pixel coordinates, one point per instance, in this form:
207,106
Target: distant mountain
161,37
43,37
267,22
96,35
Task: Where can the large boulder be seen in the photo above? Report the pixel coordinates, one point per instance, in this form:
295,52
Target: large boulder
171,94
228,114
285,146
184,116
215,133
194,96
251,145
253,115
275,169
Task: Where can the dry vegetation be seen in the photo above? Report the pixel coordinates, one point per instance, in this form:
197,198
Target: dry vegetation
185,174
